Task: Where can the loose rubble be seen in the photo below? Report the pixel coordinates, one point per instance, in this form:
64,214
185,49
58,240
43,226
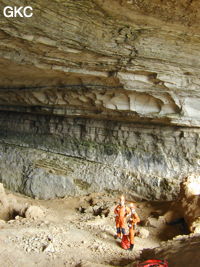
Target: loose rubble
76,231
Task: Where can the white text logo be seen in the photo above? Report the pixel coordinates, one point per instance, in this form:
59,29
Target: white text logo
14,12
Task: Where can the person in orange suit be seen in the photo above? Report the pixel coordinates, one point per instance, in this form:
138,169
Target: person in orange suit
134,219
121,211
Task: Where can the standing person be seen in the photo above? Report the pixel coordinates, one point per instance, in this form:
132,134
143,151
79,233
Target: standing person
134,219
121,211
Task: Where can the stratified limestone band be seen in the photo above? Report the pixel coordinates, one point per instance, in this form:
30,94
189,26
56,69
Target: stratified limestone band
49,156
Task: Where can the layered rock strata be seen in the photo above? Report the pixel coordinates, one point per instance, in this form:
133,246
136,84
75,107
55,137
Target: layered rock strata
97,58
48,156
108,88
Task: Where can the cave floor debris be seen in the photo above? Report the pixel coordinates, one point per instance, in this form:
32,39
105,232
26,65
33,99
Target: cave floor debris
78,231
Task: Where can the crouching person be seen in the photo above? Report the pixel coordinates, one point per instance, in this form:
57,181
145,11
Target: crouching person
132,222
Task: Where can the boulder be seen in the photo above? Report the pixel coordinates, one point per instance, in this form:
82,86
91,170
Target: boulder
34,212
143,233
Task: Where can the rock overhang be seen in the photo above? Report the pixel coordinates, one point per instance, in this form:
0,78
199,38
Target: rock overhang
132,59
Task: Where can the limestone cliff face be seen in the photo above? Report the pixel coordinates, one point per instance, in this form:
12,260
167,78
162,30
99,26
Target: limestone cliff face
114,85
48,156
103,58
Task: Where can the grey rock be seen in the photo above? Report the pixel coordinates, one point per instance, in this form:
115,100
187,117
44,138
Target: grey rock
111,104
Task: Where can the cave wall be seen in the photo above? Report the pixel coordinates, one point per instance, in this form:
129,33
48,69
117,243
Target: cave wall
100,95
49,156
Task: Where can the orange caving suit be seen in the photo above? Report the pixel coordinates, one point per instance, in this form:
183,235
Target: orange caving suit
134,219
121,212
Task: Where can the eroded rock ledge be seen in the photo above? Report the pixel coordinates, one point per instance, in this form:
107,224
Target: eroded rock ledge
99,58
100,95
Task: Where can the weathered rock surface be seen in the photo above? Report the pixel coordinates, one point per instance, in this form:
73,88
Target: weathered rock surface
9,207
99,59
115,86
34,212
4,205
76,156
181,251
189,202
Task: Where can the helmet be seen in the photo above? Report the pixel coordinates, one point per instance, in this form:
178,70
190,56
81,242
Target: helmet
132,206
122,198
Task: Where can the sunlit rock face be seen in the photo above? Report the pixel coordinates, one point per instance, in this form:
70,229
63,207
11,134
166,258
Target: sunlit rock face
112,83
190,199
181,251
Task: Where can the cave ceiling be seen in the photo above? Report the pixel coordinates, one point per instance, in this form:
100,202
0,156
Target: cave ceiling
128,60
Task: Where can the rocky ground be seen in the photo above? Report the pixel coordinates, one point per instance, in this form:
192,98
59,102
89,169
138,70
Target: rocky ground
74,231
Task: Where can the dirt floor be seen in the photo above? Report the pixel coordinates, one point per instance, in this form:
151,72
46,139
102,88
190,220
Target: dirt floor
78,231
